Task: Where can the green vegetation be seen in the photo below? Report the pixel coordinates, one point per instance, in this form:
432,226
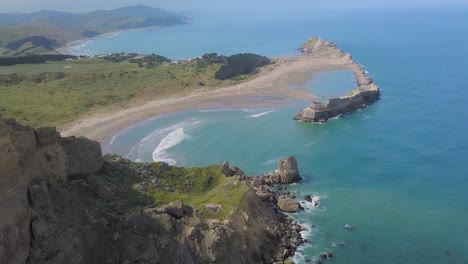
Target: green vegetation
33,59
42,32
57,93
235,65
163,184
245,63
197,187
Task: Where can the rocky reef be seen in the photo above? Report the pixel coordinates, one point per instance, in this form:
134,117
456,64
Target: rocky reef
365,94
62,202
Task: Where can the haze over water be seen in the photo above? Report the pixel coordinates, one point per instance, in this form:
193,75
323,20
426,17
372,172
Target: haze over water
396,171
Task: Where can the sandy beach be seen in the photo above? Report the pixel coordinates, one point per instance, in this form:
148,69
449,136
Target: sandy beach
295,70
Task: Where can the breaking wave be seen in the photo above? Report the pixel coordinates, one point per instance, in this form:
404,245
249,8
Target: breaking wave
261,114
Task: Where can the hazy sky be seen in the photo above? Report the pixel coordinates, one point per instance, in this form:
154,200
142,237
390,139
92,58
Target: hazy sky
275,6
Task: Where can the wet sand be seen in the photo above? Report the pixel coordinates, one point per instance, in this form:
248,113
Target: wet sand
295,70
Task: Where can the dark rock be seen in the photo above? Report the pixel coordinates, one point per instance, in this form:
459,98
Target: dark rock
175,209
237,171
39,195
47,136
226,170
82,155
308,198
105,193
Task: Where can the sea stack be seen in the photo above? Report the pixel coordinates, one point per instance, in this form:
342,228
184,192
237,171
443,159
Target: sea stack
365,94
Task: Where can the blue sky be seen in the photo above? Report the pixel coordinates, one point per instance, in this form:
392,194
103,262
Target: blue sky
272,6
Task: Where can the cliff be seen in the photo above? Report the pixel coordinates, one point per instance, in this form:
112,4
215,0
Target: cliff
62,202
365,94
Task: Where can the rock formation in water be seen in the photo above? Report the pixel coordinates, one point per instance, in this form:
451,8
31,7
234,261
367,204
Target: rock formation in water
62,202
366,92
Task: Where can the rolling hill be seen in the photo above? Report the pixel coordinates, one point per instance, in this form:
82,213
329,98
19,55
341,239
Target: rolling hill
44,31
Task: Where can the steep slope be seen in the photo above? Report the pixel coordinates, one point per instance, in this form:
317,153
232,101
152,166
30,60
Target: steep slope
61,202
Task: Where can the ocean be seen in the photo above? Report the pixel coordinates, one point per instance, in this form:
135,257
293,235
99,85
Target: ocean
397,171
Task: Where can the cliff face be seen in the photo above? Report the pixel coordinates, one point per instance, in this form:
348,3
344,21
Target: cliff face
30,158
62,202
366,92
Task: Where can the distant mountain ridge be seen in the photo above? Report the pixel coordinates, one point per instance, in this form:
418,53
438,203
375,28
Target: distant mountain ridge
63,27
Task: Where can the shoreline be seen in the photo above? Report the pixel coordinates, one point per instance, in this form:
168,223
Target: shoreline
288,70
64,49
295,70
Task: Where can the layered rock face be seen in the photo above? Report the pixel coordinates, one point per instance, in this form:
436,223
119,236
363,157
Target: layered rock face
29,159
366,92
62,202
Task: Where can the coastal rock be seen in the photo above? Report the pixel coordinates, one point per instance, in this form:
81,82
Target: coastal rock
237,171
226,170
365,94
288,170
287,204
287,173
316,45
321,112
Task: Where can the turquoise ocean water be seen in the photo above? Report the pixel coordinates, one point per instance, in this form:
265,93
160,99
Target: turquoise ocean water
396,171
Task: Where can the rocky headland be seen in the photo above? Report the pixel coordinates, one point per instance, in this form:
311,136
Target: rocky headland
366,92
62,202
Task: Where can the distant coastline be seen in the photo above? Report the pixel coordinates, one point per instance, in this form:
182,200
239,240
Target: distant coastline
54,31
65,49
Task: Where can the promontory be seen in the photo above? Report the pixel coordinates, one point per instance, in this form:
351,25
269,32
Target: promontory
366,92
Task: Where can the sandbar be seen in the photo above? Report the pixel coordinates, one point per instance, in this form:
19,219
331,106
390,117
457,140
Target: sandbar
271,81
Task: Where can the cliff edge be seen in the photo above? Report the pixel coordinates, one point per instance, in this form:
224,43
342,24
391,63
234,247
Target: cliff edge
62,202
366,92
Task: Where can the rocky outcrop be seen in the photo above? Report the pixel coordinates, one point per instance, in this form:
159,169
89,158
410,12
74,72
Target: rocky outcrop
317,46
365,94
287,172
286,203
62,202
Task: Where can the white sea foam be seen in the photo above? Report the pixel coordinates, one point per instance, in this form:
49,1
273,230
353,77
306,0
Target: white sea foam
261,114
299,257
114,137
149,144
365,117
310,206
172,139
336,117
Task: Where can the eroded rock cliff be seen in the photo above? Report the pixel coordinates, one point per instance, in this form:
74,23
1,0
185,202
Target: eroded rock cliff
62,202
29,160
